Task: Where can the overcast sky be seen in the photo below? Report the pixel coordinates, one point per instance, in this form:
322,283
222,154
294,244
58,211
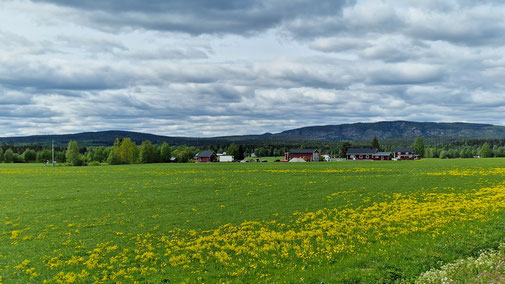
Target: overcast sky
220,67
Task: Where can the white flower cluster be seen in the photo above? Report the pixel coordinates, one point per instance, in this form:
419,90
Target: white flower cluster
488,267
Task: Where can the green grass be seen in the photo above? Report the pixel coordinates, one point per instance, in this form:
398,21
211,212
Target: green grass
247,222
488,267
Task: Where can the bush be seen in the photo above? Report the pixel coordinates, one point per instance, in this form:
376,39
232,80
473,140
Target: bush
9,156
488,267
44,156
29,155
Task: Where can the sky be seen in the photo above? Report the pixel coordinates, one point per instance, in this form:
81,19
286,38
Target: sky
204,68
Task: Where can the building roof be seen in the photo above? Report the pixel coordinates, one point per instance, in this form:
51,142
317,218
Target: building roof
404,150
206,154
303,151
383,154
361,151
297,160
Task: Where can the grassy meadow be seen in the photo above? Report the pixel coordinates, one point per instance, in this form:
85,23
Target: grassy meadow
247,222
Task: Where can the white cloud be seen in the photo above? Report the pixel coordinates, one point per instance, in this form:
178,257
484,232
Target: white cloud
216,68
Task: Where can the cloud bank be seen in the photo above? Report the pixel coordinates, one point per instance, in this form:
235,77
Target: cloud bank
213,68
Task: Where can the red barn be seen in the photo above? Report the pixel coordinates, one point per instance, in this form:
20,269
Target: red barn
367,154
309,155
405,154
206,157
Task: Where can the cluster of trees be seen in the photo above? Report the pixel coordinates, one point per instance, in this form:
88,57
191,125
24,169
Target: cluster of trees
29,156
126,151
451,151
484,151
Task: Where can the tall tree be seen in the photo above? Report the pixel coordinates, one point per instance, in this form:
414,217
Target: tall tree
419,147
183,154
165,153
240,153
9,156
99,154
128,151
375,143
72,155
485,151
43,156
1,155
29,155
342,152
114,158
147,152
233,151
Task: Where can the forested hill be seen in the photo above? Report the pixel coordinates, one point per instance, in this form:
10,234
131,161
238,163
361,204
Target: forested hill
101,138
356,131
397,129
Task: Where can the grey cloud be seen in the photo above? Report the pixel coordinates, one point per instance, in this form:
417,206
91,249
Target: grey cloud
199,16
91,45
165,53
405,73
477,23
60,75
8,97
25,111
338,44
343,62
17,45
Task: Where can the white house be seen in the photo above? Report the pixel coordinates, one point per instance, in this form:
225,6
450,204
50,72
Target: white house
225,158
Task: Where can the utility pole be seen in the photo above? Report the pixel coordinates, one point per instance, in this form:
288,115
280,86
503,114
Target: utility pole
52,147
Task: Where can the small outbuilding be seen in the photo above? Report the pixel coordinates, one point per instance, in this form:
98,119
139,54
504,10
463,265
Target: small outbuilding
206,157
225,158
309,155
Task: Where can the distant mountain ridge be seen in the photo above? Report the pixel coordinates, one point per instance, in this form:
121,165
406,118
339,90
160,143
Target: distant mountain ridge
355,131
100,138
397,129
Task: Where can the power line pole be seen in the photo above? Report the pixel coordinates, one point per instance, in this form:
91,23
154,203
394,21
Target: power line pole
52,147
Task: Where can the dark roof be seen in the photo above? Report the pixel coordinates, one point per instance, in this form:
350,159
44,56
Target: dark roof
404,150
206,154
303,151
361,151
383,154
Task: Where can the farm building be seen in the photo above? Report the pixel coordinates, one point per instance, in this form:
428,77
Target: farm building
297,160
206,157
225,158
405,154
309,155
367,154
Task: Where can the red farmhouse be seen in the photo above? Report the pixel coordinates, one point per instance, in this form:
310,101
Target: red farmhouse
367,154
309,155
206,157
405,154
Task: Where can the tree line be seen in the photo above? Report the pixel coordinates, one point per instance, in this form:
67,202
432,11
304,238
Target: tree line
123,151
126,151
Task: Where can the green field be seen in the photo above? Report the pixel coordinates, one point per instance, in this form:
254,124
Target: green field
247,222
